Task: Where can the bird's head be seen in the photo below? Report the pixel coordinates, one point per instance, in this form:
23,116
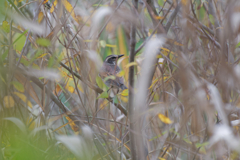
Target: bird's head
111,59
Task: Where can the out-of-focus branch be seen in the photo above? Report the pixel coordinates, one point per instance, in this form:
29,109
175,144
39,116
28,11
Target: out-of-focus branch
214,41
172,17
133,137
213,13
52,96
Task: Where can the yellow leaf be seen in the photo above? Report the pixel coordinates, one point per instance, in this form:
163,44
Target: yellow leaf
121,73
112,127
131,64
70,85
103,104
124,99
153,83
161,158
69,8
15,2
54,5
178,44
122,46
23,98
157,17
184,2
57,89
29,104
157,79
45,1
42,55
111,45
164,119
124,92
6,26
70,89
72,124
165,49
8,101
40,17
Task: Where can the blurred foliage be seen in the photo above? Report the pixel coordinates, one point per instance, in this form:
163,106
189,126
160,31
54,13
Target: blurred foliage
54,105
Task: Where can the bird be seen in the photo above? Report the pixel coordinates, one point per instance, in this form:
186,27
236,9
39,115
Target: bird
110,68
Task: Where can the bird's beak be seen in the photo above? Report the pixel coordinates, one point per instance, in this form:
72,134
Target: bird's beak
119,56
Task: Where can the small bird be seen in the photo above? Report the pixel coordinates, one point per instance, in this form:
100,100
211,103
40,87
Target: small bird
110,68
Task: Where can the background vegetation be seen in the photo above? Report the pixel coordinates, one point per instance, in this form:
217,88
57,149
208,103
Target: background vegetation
180,64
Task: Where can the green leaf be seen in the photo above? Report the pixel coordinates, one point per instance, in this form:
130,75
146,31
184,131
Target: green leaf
201,13
160,2
211,18
201,144
238,45
124,92
18,86
19,41
50,62
43,42
23,61
18,123
103,95
187,140
4,55
20,36
6,26
102,43
109,77
115,100
99,82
